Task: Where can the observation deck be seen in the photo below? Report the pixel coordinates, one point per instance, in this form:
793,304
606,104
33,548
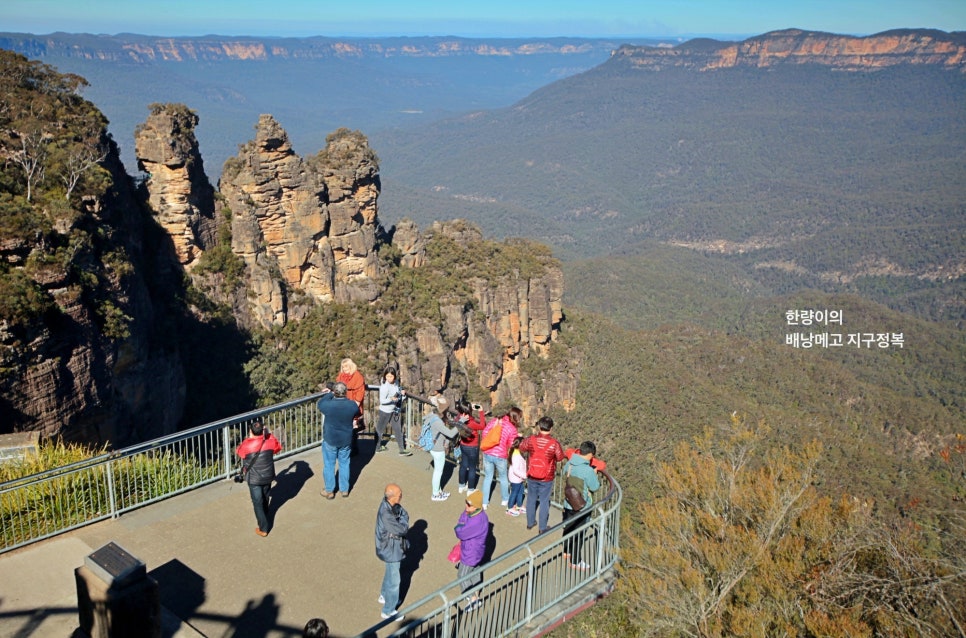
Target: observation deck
218,578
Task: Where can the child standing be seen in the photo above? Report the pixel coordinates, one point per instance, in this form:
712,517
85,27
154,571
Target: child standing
517,475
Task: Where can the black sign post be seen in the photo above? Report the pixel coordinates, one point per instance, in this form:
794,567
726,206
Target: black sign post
115,596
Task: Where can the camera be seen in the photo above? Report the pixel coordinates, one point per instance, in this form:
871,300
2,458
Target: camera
238,477
477,407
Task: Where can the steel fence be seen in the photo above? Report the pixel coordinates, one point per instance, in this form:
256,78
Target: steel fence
48,503
531,581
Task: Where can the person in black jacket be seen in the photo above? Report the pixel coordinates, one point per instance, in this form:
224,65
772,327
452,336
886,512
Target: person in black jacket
392,525
258,452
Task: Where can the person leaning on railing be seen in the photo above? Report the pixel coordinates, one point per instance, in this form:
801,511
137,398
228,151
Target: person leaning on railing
579,473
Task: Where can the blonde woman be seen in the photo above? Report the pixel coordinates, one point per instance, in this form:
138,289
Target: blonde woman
355,385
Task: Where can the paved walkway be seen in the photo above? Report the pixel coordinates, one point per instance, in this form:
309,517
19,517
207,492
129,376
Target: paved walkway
223,581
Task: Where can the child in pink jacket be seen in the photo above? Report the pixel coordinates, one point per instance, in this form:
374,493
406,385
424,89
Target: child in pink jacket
517,473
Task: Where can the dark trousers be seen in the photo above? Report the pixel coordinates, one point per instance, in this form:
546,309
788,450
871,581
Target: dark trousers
469,466
574,543
260,495
389,420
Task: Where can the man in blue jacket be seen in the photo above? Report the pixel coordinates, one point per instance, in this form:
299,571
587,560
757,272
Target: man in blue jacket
578,472
392,525
339,412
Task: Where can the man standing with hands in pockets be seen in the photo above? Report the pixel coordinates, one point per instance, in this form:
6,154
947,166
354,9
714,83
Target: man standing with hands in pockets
392,525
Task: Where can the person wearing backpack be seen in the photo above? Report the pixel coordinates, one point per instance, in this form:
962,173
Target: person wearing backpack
544,453
579,472
497,437
440,433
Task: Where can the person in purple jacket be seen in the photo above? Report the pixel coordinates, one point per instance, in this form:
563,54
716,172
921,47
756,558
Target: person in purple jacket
472,530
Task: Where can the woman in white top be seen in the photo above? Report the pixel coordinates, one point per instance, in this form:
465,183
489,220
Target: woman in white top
390,402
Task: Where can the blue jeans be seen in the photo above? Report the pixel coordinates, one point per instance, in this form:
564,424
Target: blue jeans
538,494
469,460
516,495
491,463
390,587
259,494
331,454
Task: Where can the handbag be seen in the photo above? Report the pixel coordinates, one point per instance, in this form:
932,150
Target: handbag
491,436
574,496
454,554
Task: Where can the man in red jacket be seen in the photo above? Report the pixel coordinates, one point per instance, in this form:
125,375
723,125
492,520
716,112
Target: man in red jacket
544,452
258,452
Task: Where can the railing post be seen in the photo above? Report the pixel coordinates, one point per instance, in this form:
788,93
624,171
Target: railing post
110,488
531,577
603,539
226,449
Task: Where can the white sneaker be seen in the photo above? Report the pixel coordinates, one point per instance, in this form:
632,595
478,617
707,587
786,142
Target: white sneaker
395,615
485,506
503,503
581,566
462,489
440,496
382,601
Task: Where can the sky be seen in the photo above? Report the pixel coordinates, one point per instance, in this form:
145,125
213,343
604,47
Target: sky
478,18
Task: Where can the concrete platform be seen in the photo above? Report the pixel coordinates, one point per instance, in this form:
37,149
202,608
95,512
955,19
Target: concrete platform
219,579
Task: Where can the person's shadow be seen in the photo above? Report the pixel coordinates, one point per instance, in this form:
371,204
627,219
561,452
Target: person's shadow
490,548
288,483
257,619
418,547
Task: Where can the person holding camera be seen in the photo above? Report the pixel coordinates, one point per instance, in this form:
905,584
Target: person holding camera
392,525
390,404
258,452
339,413
470,430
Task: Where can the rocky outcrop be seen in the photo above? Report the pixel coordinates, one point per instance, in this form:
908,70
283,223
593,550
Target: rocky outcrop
486,339
306,226
179,192
72,374
794,46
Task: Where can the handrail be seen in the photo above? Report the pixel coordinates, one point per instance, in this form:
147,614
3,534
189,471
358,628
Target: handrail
525,583
104,486
523,590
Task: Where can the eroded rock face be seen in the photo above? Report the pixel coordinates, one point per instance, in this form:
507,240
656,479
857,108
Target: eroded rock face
512,319
302,225
307,231
179,192
794,46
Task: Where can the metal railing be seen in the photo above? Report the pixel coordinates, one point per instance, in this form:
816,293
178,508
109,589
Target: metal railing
526,590
48,503
520,590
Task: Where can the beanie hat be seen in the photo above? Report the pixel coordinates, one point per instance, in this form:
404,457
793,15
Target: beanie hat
475,499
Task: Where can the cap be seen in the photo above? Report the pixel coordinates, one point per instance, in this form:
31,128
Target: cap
475,499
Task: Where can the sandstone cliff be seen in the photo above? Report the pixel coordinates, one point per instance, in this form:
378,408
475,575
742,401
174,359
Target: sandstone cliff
306,232
82,355
180,193
794,46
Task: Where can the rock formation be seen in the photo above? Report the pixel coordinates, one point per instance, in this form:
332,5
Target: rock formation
180,194
307,226
794,46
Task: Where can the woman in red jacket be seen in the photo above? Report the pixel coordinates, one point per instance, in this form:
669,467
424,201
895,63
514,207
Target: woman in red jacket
470,444
355,389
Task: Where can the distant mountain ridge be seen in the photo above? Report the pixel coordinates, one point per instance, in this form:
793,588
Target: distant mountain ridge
142,48
795,46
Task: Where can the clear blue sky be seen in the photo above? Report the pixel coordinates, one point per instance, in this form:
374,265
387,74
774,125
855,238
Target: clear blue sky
479,18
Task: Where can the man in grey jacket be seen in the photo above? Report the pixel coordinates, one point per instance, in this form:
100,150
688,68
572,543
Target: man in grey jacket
392,525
